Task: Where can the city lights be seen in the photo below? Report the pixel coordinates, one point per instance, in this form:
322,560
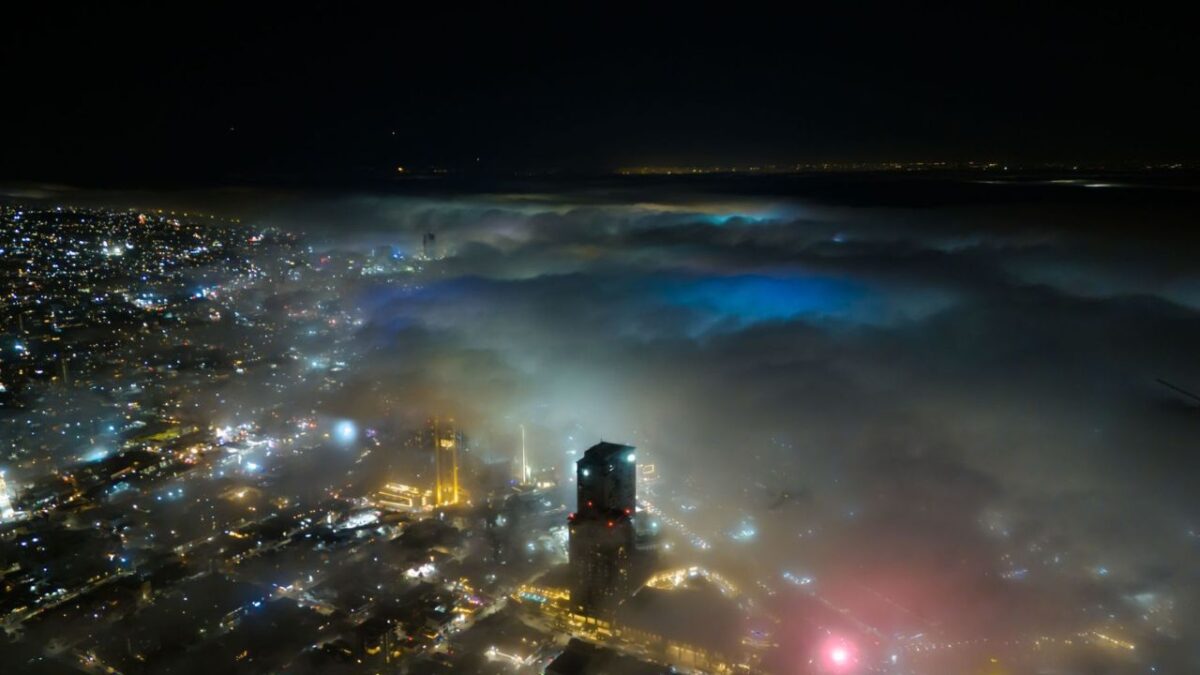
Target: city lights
358,339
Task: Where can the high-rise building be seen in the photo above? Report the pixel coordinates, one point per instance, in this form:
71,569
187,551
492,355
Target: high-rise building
443,439
524,464
400,497
6,508
429,245
601,530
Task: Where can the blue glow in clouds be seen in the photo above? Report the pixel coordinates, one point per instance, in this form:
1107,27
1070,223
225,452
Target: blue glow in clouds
747,299
734,220
345,431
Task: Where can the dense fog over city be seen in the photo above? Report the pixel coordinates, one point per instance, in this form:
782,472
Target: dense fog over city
950,389
936,400
426,339
962,397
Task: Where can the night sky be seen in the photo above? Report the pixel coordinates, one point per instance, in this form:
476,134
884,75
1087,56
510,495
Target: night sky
320,93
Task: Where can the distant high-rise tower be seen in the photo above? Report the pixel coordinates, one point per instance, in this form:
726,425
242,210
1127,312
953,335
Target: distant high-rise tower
429,245
6,508
601,530
524,465
443,438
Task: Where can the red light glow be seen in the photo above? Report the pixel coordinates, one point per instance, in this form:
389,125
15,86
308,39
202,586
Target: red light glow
839,655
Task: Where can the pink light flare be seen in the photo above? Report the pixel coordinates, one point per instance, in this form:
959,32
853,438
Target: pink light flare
839,655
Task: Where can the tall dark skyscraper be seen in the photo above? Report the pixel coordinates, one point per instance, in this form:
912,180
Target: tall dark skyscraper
429,245
601,530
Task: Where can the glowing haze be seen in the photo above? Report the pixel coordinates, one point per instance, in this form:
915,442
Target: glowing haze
956,397
942,411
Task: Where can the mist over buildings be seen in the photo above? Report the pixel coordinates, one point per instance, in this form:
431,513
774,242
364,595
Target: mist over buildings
950,400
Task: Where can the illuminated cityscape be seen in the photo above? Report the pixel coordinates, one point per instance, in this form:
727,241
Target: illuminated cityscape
206,456
587,340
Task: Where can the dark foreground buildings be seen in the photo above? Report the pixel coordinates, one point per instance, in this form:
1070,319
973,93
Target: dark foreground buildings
582,658
601,530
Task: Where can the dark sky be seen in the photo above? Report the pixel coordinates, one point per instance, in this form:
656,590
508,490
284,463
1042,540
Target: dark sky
165,93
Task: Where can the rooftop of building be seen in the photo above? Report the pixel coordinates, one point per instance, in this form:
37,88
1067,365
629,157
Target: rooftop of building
606,452
583,658
696,614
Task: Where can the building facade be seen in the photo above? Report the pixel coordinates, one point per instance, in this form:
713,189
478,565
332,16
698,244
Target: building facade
601,530
443,438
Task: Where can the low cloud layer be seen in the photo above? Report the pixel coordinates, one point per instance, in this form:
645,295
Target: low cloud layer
964,393
960,392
